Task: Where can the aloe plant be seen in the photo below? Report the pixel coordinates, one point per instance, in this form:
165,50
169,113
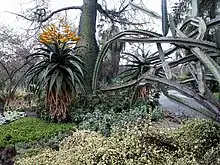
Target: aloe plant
159,71
59,72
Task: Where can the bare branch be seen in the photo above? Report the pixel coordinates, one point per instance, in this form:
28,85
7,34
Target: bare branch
62,9
113,15
20,15
50,15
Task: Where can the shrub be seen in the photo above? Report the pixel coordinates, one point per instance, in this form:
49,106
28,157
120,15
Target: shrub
117,101
30,129
36,147
91,109
198,136
212,156
42,112
21,101
105,121
135,143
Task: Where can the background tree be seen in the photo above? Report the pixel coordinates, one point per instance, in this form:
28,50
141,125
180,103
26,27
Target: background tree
13,53
88,47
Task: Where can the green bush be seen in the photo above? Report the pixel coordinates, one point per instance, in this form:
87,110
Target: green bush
212,156
105,121
198,136
85,104
30,129
118,101
42,112
103,111
137,143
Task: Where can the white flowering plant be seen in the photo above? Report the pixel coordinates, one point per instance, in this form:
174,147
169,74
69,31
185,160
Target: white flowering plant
9,116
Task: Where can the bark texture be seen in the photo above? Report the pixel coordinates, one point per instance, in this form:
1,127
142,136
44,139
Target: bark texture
88,45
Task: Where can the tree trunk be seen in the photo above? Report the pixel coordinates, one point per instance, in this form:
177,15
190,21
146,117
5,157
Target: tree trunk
217,14
111,64
88,46
217,8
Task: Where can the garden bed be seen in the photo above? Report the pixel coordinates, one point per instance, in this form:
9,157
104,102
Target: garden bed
140,142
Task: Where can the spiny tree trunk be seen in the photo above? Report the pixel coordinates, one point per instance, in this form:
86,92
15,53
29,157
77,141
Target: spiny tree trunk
88,46
111,64
217,8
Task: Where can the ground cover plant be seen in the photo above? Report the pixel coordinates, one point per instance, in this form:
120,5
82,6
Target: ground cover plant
138,142
102,111
116,126
30,129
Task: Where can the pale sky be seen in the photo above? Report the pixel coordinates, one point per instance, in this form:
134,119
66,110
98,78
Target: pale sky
16,6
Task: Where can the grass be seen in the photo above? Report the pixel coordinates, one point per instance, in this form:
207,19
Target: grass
30,130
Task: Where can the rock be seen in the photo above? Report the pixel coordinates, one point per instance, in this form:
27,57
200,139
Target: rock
6,155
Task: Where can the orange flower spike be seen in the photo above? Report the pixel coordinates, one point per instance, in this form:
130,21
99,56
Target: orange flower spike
62,35
75,38
45,41
44,35
63,40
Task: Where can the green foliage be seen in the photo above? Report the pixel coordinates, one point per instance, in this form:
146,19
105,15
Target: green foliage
104,122
36,147
135,143
30,129
59,67
103,111
217,95
212,156
117,100
133,146
155,114
84,105
42,112
198,136
59,72
114,101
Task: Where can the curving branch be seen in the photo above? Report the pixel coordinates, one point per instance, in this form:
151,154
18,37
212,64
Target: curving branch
188,104
62,9
180,41
20,15
115,16
50,15
202,52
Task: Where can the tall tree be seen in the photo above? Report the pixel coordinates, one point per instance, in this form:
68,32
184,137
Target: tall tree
88,48
88,45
